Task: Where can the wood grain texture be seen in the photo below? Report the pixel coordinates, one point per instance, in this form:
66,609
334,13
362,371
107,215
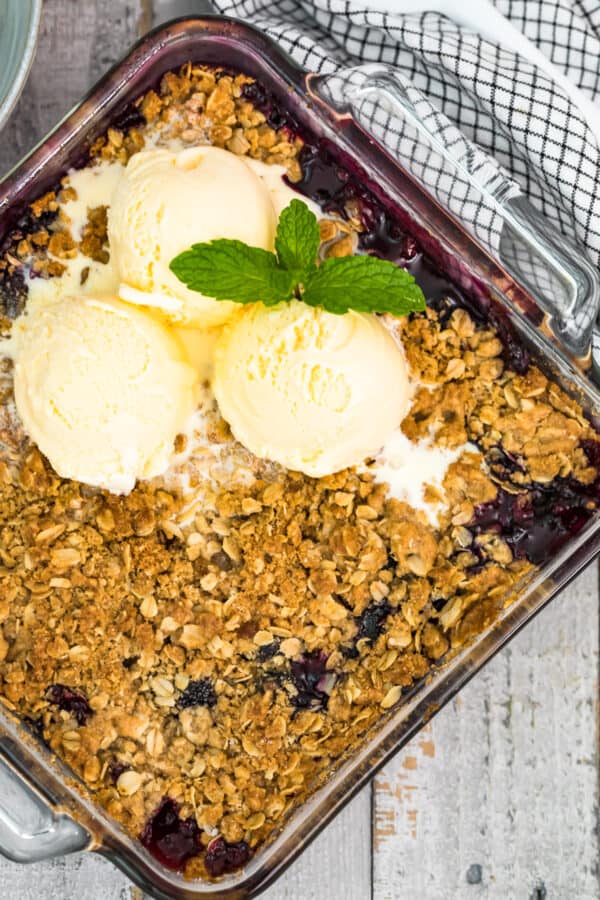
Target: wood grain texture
498,797
79,40
81,877
337,865
163,10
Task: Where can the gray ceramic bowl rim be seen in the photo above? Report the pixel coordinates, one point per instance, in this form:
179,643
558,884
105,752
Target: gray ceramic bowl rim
32,9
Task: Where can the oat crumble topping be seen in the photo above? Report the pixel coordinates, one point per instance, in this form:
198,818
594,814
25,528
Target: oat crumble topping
203,667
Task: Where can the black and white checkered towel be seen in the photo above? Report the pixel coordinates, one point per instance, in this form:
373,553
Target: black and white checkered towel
511,126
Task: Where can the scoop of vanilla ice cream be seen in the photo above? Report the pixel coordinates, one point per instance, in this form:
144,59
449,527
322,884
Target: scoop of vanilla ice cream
103,388
313,391
168,201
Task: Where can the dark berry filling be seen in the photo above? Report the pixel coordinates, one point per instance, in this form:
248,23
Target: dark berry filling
336,186
13,287
128,117
223,856
267,651
116,769
222,561
36,726
198,693
371,622
70,701
538,521
333,187
591,448
256,94
173,841
505,465
170,839
312,681
514,353
129,662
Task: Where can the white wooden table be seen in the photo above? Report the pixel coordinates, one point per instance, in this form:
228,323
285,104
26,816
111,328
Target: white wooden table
498,797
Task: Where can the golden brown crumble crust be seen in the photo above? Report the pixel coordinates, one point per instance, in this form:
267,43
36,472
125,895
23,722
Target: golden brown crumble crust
117,599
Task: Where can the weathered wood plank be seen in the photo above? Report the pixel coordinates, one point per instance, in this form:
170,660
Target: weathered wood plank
337,865
78,42
164,10
498,797
82,877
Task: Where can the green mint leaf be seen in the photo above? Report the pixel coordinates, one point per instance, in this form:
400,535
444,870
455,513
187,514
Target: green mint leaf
231,270
297,240
364,284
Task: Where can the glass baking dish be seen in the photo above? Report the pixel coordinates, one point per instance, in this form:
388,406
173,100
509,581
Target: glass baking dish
44,811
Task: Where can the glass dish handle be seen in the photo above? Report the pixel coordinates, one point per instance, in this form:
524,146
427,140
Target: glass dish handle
477,192
30,829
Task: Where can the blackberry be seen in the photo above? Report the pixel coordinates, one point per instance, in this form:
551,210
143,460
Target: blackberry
198,693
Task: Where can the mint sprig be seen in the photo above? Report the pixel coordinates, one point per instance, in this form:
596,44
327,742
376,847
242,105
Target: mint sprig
297,239
231,270
363,283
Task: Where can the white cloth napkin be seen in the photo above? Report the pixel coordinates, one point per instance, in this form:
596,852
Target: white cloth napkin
471,91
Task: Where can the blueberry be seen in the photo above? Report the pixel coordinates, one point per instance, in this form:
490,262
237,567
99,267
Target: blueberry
371,622
223,856
198,693
267,651
312,681
70,701
170,839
